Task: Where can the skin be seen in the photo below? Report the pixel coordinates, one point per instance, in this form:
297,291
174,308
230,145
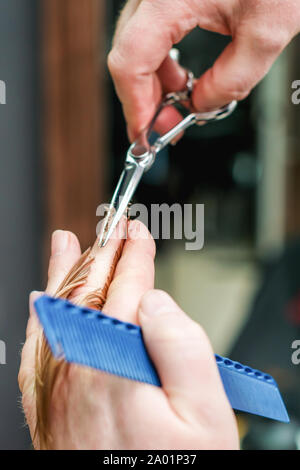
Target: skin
94,410
147,30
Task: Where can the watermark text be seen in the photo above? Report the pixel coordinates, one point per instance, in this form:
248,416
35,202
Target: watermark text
2,353
2,92
296,354
296,94
165,222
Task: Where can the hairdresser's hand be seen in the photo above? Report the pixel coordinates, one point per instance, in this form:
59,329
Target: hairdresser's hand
147,30
94,410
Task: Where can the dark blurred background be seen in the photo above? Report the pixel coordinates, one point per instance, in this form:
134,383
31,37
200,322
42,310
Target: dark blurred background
63,143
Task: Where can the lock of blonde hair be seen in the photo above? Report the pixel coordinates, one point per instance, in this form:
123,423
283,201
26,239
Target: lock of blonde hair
48,368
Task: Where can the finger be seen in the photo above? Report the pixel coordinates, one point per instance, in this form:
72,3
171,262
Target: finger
182,355
243,63
27,367
26,376
168,118
127,12
33,323
104,261
134,61
65,251
134,274
172,76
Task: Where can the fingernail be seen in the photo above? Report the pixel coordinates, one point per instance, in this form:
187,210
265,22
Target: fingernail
156,302
59,242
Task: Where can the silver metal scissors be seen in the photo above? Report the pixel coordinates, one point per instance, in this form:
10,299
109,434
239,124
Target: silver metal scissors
142,153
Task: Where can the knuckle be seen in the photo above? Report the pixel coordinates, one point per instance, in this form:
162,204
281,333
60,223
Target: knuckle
235,89
195,334
21,374
51,267
118,65
184,333
21,380
236,92
25,381
267,40
57,269
113,63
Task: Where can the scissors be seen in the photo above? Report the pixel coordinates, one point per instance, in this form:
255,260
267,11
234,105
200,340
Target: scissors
142,153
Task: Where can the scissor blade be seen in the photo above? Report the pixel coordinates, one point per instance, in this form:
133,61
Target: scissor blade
124,192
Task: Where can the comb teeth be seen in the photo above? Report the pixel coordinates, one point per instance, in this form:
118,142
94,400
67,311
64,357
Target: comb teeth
251,390
90,338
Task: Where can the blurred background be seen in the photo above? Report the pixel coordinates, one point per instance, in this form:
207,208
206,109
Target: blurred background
63,143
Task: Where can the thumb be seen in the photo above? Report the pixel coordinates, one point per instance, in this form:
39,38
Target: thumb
65,252
182,355
243,63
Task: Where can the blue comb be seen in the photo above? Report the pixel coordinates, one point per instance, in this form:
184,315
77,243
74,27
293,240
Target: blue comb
90,338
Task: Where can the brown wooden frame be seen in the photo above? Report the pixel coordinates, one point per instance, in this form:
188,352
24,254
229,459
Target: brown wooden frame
73,125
